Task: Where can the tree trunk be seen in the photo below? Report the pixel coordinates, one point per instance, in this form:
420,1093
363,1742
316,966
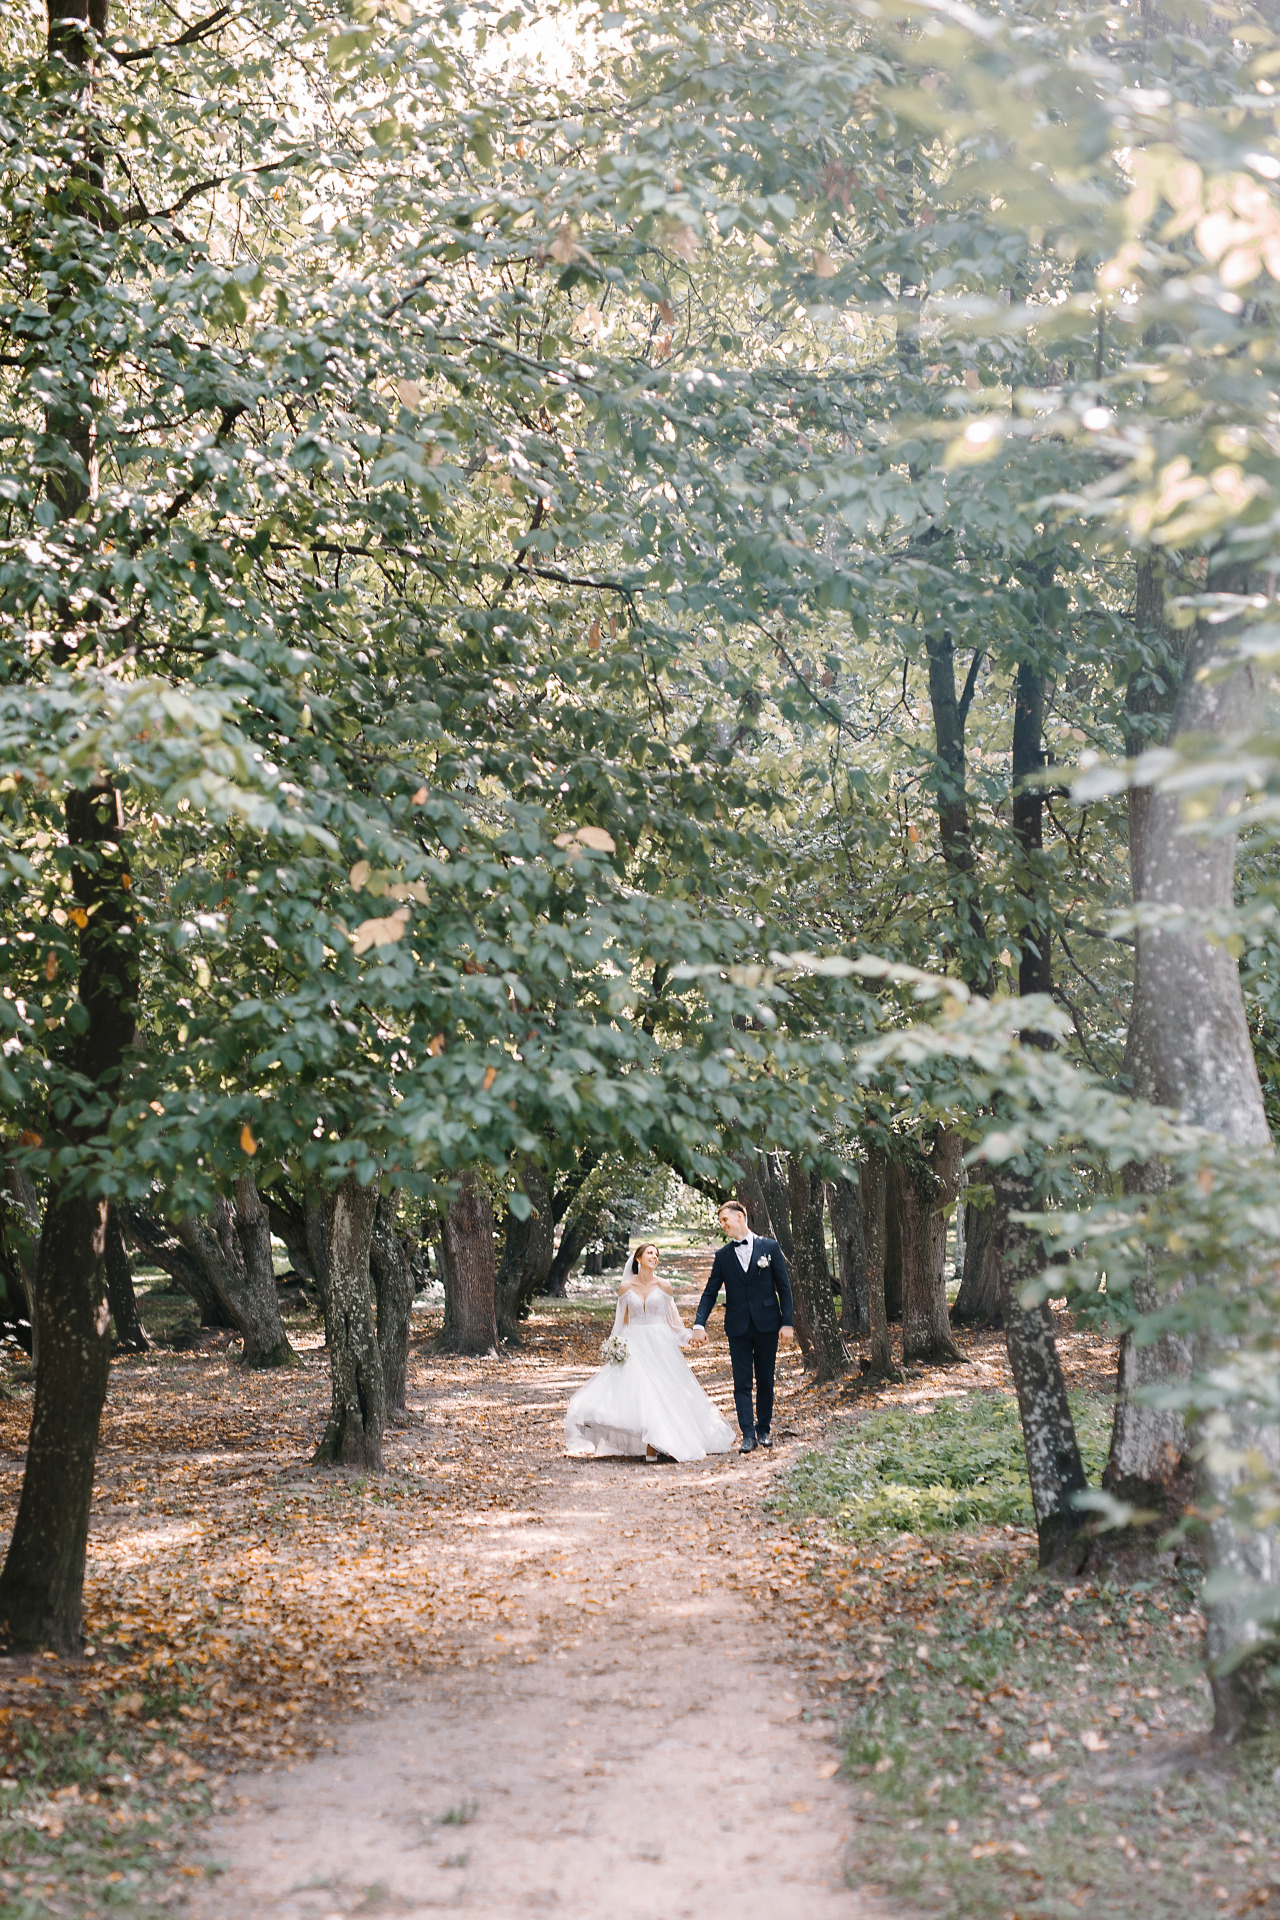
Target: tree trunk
159,1245
470,1308
22,1238
817,1328
358,1410
1147,1466
315,1213
750,1192
1053,1456
1190,1046
42,1586
393,1291
527,1247
893,1202
131,1335
1035,964
978,1301
874,1184
288,1222
233,1250
927,1191
579,1233
845,1203
776,1187
950,712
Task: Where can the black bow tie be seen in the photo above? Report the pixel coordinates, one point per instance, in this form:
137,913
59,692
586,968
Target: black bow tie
742,1243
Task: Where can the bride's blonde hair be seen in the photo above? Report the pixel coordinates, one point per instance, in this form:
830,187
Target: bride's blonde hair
632,1268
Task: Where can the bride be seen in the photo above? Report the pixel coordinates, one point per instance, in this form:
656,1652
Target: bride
651,1402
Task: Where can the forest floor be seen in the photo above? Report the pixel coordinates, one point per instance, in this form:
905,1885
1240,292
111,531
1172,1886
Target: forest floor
502,1681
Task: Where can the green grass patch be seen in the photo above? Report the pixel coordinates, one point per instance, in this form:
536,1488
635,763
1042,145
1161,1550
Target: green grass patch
94,1818
958,1463
1018,1749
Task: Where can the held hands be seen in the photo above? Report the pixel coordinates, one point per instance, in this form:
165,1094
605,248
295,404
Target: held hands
787,1335
697,1334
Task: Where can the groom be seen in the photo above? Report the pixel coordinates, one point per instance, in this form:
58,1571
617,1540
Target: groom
757,1314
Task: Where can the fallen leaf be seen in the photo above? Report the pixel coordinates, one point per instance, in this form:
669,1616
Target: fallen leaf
1093,1742
828,1770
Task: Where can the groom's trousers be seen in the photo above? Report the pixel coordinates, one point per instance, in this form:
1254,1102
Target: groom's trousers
753,1353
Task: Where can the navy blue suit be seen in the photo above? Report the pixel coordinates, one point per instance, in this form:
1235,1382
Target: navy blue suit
757,1305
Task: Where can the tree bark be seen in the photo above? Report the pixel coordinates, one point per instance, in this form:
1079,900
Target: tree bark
978,1303
1147,1466
577,1236
315,1213
1054,1467
927,1190
817,1328
874,1183
750,1192
776,1187
1191,1047
42,1585
233,1250
1035,964
527,1251
845,1203
470,1307
393,1292
22,1240
131,1335
288,1222
358,1409
893,1202
950,712
157,1242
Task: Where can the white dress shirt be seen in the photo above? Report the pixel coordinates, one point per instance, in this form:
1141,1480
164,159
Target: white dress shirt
744,1252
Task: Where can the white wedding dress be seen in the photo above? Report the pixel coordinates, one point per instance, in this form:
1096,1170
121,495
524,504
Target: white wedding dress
650,1400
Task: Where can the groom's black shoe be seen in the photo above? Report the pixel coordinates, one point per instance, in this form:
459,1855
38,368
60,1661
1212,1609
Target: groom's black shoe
765,1439
749,1443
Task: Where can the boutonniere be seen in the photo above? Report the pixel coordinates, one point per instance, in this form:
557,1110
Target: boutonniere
765,1260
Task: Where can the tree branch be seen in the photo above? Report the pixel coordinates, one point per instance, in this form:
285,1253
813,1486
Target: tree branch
194,33
970,684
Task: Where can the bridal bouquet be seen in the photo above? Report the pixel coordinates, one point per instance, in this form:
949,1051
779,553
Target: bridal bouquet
614,1350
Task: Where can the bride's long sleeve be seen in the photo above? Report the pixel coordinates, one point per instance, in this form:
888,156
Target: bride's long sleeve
676,1324
620,1317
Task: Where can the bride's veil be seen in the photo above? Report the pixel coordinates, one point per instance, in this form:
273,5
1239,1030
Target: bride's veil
632,1269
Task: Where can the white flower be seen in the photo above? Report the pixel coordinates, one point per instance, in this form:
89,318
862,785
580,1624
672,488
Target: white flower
614,1350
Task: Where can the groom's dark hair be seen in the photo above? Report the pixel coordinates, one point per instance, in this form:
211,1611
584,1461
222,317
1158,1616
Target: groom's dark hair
734,1206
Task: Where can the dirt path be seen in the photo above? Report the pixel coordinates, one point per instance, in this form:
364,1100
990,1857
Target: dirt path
621,1738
